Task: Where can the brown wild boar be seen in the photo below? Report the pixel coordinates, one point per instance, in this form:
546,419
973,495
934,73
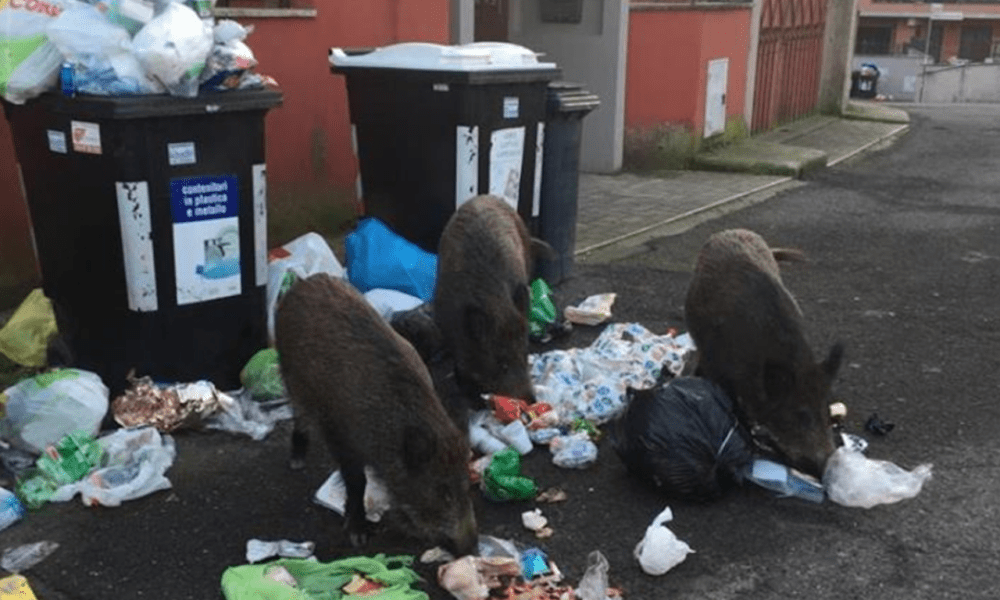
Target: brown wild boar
366,391
482,297
749,334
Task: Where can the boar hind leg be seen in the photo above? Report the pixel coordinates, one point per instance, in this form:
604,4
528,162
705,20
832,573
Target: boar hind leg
300,445
355,522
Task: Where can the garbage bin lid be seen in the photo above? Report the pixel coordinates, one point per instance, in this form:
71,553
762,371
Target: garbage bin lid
477,56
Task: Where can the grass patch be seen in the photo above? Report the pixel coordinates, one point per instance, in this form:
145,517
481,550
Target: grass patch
298,208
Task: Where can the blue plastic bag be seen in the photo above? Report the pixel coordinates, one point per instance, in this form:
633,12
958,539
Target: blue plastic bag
379,258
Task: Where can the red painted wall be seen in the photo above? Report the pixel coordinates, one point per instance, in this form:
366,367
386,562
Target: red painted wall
308,138
18,271
668,54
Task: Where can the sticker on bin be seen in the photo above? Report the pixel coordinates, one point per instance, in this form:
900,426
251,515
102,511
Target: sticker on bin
136,223
423,56
511,105
206,237
86,137
57,141
506,158
181,153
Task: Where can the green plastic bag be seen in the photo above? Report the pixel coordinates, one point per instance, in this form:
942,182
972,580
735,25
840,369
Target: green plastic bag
322,581
503,479
543,311
262,375
68,461
25,338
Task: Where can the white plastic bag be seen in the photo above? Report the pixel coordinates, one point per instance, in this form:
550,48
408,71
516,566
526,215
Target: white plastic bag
29,62
389,302
333,495
136,463
43,409
81,31
304,256
173,48
660,550
594,583
853,479
101,53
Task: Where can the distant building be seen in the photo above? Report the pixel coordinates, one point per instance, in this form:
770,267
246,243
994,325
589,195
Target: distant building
959,31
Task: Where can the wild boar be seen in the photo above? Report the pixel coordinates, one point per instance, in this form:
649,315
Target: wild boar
749,334
481,301
366,391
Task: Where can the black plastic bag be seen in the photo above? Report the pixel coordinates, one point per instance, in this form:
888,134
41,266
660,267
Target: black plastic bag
683,438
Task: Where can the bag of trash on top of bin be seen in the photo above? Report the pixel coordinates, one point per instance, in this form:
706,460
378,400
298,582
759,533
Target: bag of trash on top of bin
29,62
173,48
100,53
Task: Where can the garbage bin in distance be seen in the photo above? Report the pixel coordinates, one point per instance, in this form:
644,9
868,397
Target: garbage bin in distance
864,81
566,106
149,219
436,125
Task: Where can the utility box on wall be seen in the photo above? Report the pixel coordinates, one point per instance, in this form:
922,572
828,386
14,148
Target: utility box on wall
715,96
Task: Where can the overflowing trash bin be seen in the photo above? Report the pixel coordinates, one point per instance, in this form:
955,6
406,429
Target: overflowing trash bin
139,133
436,125
864,81
566,106
149,218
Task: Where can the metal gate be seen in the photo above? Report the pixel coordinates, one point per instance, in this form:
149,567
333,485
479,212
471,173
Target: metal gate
789,59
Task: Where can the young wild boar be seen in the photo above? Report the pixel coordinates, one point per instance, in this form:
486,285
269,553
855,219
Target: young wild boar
366,391
749,333
482,297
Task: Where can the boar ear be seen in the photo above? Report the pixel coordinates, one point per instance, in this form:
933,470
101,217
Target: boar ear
779,380
832,363
418,448
522,298
477,322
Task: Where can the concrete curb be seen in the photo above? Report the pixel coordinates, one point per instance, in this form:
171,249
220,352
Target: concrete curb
895,132
681,217
693,214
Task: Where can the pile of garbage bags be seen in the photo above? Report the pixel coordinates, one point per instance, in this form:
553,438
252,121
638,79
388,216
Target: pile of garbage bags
121,47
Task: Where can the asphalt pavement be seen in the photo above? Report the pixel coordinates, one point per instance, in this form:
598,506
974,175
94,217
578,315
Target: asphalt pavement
902,246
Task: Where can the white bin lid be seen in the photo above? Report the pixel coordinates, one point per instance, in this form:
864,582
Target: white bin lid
422,56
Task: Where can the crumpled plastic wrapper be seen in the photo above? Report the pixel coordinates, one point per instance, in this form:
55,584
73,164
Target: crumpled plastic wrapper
594,310
258,550
167,408
590,382
853,479
472,577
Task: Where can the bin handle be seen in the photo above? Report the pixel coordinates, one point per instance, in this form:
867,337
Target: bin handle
337,55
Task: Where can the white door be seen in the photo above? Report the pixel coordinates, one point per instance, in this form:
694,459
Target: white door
715,96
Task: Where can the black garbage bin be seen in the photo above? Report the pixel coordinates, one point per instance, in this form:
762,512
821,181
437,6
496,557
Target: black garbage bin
864,81
149,219
436,125
566,106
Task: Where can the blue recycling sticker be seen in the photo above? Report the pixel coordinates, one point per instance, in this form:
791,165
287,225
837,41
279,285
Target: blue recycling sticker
204,198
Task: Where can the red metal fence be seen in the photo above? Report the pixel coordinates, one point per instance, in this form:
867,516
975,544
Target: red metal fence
789,60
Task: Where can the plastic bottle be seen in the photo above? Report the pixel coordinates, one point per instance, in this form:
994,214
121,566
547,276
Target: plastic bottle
11,509
783,480
67,79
